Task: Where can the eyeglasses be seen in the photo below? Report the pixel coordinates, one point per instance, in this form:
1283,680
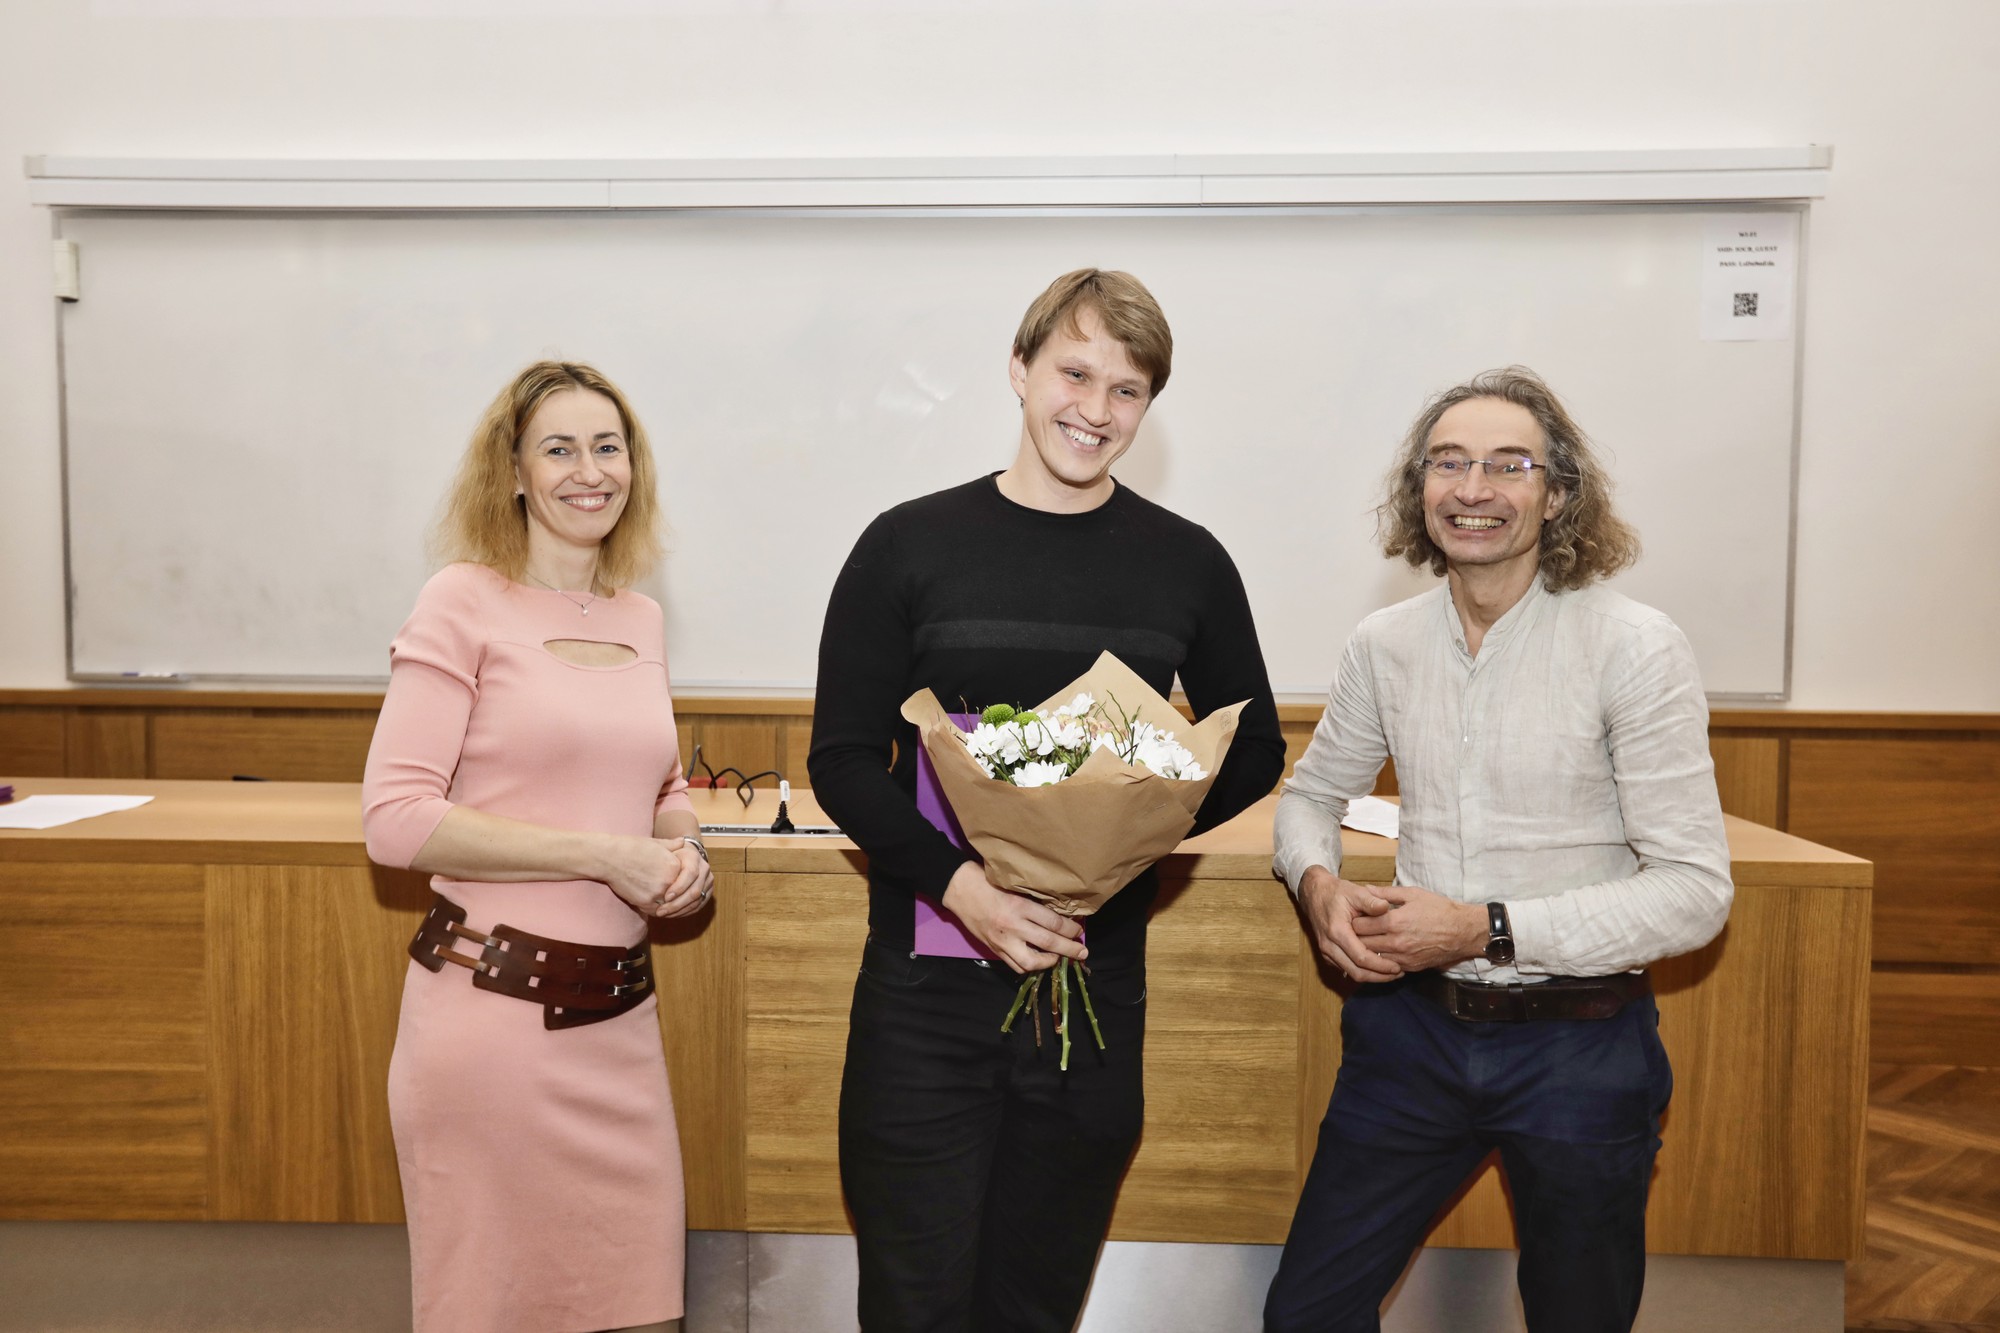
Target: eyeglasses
1510,470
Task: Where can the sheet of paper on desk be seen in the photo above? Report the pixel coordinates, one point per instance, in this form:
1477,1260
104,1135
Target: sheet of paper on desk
55,811
1371,814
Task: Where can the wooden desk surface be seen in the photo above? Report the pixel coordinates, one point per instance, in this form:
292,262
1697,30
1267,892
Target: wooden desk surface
319,823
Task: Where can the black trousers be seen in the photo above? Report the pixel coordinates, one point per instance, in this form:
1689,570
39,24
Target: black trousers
980,1177
1574,1108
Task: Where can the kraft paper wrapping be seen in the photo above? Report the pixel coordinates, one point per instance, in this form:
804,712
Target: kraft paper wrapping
1075,843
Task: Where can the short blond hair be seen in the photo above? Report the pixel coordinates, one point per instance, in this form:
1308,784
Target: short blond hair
485,519
1585,541
1122,304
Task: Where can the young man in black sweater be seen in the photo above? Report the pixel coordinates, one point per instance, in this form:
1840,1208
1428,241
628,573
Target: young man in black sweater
980,1178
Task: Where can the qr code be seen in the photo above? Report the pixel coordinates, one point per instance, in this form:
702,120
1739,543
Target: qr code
1746,304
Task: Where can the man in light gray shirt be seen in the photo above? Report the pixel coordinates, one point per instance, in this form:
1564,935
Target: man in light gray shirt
1560,831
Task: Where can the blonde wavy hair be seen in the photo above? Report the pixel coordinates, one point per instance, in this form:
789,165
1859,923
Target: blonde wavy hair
1583,542
485,521
1123,306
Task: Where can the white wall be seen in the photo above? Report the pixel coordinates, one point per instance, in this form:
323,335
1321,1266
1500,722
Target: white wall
1898,550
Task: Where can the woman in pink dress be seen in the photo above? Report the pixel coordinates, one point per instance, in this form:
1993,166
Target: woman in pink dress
526,757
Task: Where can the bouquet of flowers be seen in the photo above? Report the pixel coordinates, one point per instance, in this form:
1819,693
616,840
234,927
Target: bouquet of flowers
1071,799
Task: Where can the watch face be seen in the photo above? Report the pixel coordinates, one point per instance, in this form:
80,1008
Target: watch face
1500,950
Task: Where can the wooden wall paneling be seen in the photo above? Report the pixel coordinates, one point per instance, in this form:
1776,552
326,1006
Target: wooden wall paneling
102,1091
1749,776
685,736
1298,734
803,947
1925,1017
1217,1161
1770,1070
279,747
1926,810
698,962
301,1039
797,744
751,744
106,743
34,743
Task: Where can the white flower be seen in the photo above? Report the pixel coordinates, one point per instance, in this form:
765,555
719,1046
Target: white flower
1067,733
1040,739
1157,754
1080,705
1008,748
1036,773
994,746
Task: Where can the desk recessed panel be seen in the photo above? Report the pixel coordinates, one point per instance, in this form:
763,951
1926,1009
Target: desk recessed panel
1762,1139
1217,1161
698,962
126,1145
306,978
804,946
104,967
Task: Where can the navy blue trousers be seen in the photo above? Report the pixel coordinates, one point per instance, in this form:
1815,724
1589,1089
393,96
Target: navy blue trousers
1574,1109
981,1177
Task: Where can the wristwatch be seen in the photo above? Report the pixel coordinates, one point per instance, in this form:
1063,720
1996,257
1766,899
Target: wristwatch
1499,934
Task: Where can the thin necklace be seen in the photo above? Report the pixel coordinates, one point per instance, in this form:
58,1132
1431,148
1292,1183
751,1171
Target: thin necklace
589,599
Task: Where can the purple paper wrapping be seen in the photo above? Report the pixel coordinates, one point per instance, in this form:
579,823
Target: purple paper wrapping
938,932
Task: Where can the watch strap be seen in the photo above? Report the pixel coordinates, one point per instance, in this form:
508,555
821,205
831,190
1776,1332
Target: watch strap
1499,934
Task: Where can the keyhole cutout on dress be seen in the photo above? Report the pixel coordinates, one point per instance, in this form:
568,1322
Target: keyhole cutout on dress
590,652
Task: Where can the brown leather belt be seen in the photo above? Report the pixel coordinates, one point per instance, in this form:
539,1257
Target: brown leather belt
574,983
1560,997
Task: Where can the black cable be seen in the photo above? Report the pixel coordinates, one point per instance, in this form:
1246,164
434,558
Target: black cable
746,791
695,762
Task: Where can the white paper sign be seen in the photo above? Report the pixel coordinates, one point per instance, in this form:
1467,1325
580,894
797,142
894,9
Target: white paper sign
55,811
1372,814
1749,272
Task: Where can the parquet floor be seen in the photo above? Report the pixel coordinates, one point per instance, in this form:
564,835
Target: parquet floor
1932,1262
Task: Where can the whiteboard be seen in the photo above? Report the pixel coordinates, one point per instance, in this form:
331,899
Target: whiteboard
264,409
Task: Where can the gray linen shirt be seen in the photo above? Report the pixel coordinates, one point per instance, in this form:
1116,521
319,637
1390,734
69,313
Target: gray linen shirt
1564,771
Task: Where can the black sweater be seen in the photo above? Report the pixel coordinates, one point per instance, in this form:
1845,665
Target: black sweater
985,601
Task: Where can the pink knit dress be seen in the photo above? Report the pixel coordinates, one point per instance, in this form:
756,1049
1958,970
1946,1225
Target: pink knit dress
541,1169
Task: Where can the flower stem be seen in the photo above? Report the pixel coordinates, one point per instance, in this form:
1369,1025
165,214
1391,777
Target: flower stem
1062,1002
1089,1012
1020,998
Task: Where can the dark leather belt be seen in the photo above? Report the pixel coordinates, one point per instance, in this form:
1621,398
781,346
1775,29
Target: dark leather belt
1560,997
574,983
